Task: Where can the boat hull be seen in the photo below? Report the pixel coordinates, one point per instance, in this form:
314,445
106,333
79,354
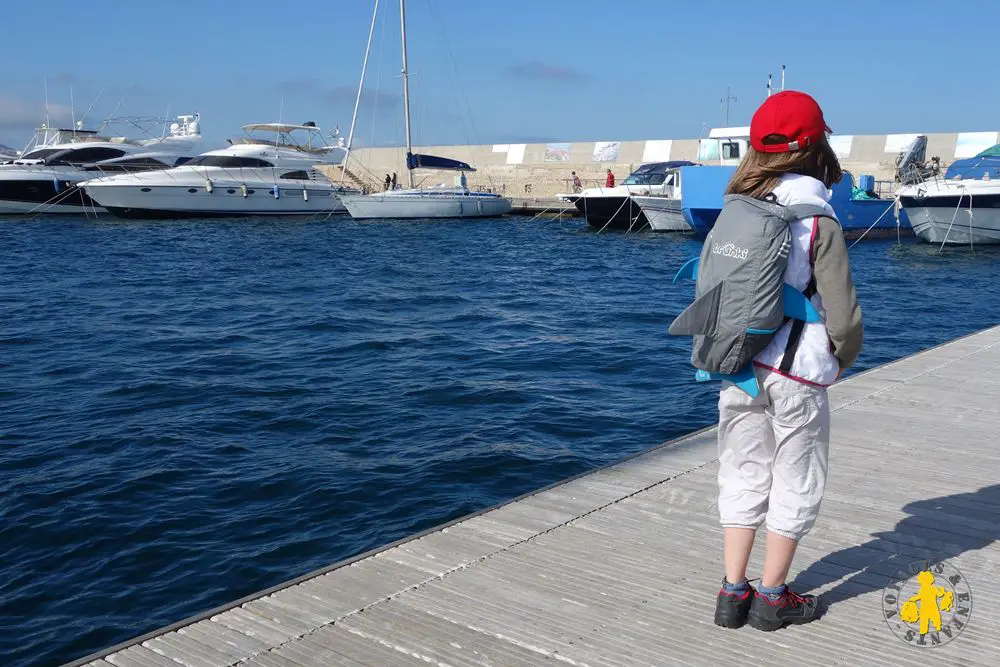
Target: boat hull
612,212
663,213
951,225
225,200
425,205
704,189
41,194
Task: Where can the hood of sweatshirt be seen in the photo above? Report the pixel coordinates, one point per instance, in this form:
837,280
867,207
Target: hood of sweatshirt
797,189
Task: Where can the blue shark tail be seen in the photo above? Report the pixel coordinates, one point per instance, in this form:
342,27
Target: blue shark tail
745,379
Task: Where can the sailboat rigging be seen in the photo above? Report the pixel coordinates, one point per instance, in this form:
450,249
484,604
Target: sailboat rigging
423,202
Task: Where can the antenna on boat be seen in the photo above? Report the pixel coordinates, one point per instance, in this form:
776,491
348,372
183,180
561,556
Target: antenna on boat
91,107
768,85
406,90
107,121
46,102
72,108
782,77
725,100
357,100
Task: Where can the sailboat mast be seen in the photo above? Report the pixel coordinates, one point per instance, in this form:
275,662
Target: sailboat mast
406,90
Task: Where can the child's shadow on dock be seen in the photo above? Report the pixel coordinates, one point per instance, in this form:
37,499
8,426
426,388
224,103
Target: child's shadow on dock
936,529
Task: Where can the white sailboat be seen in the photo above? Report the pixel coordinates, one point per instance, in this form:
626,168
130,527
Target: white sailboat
416,202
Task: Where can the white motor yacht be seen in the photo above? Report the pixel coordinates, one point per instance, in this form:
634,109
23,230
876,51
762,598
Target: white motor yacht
415,202
963,207
618,207
252,176
663,211
47,175
953,211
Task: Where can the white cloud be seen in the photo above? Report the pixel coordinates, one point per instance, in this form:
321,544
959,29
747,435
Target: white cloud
18,113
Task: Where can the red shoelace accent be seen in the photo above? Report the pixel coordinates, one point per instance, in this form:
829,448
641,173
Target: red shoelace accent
794,597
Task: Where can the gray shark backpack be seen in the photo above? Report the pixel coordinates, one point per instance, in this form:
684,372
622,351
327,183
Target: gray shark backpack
740,290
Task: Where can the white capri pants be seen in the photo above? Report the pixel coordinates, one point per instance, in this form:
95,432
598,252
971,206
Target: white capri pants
773,453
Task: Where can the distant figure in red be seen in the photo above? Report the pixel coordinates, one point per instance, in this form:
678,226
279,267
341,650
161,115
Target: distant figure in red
610,183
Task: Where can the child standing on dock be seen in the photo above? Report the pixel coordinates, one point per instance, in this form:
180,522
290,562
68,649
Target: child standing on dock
773,447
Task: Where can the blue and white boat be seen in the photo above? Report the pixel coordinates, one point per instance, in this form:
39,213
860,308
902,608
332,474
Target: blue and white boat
860,209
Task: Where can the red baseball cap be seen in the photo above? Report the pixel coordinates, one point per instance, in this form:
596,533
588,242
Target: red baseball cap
790,114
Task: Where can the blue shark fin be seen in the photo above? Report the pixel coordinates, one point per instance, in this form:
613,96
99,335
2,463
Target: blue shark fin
746,379
688,270
797,306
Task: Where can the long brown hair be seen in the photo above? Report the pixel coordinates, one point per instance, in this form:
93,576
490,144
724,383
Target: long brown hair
759,173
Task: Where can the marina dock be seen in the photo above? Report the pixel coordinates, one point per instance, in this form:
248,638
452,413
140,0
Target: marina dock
620,566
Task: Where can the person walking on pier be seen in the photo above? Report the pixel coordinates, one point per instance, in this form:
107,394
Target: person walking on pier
393,181
610,181
773,447
577,185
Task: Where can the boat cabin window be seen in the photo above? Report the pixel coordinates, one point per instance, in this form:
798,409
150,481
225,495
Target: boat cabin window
646,176
296,175
228,161
40,153
730,150
134,164
81,155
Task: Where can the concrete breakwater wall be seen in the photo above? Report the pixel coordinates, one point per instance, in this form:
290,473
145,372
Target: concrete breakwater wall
540,170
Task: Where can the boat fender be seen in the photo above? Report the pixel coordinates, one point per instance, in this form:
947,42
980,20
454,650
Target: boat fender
209,186
276,192
243,190
305,195
55,183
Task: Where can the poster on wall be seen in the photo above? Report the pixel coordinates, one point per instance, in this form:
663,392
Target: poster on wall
841,145
657,150
606,151
501,148
515,153
971,144
556,153
708,150
897,143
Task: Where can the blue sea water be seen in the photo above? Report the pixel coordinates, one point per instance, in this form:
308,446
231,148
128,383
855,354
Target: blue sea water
193,411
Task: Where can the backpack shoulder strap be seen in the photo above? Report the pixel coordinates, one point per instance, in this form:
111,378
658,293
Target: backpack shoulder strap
799,211
795,333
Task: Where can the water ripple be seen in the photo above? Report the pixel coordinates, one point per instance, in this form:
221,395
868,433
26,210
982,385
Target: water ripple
194,411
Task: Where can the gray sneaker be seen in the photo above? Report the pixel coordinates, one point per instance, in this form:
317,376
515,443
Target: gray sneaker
789,609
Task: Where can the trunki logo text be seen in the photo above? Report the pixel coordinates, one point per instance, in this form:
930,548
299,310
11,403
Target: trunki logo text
730,250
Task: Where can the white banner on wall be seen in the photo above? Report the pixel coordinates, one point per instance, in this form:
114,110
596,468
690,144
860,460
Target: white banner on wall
896,143
841,145
515,153
500,148
606,151
657,150
971,144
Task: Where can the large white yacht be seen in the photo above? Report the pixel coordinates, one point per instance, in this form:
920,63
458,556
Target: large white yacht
45,177
963,207
413,202
252,176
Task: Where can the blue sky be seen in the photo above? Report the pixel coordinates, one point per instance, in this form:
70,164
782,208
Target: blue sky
491,71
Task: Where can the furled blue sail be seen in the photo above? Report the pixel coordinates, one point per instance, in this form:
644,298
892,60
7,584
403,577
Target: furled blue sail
418,161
